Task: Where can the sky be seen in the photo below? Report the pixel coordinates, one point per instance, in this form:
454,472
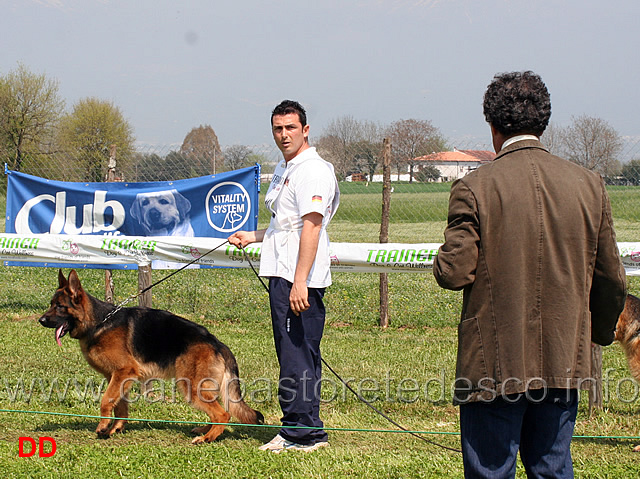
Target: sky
170,66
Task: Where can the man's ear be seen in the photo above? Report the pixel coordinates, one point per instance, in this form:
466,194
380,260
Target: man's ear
497,138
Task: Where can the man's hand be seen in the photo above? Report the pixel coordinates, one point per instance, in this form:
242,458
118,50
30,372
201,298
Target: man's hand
299,297
240,239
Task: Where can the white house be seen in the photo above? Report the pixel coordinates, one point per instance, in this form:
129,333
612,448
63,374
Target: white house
455,164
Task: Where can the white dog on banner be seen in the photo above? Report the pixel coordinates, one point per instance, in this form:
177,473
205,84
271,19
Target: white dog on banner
163,213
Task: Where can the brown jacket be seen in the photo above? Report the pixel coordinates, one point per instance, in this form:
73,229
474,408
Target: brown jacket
530,240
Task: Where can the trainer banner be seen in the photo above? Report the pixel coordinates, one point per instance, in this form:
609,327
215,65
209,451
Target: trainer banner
130,251
209,206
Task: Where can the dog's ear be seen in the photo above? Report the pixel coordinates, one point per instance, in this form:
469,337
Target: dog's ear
74,285
135,208
183,204
62,281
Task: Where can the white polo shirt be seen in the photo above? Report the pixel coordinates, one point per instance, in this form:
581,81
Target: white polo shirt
306,184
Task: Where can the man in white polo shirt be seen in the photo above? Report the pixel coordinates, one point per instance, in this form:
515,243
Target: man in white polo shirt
302,198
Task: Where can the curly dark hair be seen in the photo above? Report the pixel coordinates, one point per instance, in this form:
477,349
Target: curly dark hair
517,103
287,107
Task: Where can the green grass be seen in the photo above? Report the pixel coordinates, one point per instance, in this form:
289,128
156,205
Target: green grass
419,347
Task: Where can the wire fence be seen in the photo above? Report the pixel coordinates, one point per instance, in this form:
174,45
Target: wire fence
420,187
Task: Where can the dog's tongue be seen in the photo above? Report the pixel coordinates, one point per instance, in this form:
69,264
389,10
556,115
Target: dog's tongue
59,334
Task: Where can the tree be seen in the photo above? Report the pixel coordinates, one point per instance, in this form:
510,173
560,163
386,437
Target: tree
236,157
202,149
411,139
553,139
29,109
351,145
428,173
259,158
592,143
631,172
365,154
89,131
334,143
147,167
179,166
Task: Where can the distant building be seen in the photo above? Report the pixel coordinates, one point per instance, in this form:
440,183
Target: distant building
455,164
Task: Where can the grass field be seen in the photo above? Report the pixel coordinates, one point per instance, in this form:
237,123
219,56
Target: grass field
407,369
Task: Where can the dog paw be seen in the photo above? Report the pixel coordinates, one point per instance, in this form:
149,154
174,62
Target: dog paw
199,440
104,429
116,429
637,448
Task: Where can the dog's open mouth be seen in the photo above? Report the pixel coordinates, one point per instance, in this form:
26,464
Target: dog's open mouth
61,331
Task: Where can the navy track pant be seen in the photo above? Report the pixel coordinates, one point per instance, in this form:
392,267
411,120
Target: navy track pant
297,341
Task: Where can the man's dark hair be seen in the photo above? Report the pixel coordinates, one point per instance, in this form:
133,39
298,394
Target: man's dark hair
517,103
288,107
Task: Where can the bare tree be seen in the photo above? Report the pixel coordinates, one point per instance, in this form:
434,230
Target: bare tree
411,139
236,157
368,151
592,143
29,109
334,143
553,139
366,155
351,145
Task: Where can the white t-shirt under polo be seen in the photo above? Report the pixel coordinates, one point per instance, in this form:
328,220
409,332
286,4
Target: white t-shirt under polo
306,184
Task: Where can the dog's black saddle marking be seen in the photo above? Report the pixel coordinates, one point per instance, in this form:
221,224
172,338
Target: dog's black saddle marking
160,337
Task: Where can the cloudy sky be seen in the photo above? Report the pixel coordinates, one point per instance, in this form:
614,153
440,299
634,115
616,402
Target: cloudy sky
174,65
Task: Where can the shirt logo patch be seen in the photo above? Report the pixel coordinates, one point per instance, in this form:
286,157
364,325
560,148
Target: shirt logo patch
316,198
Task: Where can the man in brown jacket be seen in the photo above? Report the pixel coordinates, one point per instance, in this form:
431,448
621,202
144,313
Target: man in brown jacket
530,241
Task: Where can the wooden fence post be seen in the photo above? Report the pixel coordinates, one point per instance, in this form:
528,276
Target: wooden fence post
144,281
144,272
108,275
384,228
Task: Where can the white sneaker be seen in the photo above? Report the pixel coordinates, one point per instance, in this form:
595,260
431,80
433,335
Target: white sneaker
276,444
292,446
279,444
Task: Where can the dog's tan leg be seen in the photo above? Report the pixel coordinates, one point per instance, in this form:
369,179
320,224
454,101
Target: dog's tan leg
120,411
218,415
119,386
203,395
200,384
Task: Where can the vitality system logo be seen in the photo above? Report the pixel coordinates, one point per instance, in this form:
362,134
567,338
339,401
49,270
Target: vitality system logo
228,207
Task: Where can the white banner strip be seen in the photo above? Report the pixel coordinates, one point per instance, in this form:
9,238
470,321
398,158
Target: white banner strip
141,250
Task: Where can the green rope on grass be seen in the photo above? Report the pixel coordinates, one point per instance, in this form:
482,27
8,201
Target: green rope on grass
167,421
87,416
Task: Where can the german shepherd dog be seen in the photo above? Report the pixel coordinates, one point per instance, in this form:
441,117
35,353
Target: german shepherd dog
628,335
140,344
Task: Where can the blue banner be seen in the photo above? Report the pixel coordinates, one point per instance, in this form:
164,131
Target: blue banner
208,206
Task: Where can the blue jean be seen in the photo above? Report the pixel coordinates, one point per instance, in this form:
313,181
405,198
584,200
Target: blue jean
297,341
540,427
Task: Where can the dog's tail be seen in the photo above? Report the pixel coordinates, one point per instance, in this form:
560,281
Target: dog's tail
232,395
